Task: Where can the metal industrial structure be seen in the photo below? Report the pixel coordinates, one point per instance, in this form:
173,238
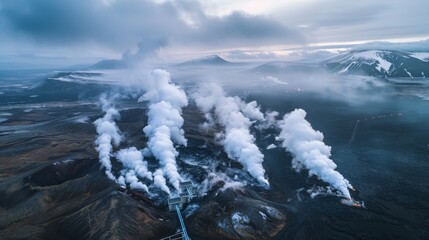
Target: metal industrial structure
177,204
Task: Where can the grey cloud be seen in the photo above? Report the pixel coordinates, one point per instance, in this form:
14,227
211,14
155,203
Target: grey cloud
149,46
419,46
309,56
240,28
339,21
332,13
122,24
67,22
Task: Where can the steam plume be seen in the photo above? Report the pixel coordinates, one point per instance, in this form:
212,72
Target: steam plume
250,110
165,125
108,134
309,150
214,178
130,177
238,142
159,181
269,120
132,159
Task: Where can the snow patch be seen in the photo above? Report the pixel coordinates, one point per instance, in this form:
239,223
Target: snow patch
409,74
374,55
347,68
424,56
239,219
364,57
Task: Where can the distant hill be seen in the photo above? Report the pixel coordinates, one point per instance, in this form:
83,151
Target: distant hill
280,67
109,64
69,85
208,60
380,63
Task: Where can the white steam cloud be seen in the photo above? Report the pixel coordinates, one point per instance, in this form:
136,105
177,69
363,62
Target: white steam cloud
159,181
238,142
164,128
270,120
250,110
131,178
214,178
108,134
309,150
132,159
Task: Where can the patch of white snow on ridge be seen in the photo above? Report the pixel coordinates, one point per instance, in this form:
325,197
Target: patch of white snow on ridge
347,68
376,56
424,56
239,219
409,74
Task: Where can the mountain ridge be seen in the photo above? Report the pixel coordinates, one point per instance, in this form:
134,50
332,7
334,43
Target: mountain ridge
378,63
207,60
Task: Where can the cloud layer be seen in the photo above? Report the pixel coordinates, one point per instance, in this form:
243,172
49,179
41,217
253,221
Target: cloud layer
138,28
149,25
419,46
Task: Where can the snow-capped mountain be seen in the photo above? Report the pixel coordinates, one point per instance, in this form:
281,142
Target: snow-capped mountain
381,63
208,60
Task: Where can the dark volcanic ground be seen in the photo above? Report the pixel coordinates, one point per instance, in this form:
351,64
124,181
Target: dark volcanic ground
51,185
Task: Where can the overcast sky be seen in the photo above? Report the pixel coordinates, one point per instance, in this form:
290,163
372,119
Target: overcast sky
43,32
